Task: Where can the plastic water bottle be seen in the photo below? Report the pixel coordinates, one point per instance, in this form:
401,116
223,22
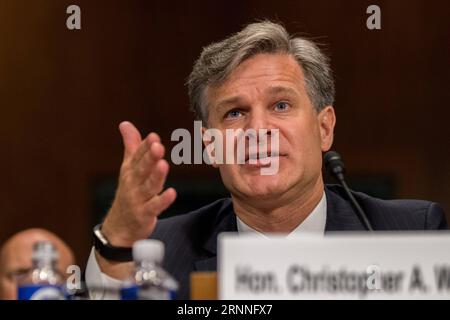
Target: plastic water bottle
149,280
43,281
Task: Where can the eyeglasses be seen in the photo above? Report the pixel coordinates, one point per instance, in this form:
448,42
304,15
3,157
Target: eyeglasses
18,275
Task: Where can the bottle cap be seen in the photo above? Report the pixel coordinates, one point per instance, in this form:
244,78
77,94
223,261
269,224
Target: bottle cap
148,250
44,251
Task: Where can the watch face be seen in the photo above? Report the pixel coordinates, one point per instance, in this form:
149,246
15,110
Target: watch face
98,234
108,251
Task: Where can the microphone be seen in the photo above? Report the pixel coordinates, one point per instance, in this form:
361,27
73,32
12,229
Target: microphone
335,168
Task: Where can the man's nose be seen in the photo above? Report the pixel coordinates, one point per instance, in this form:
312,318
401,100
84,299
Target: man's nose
258,120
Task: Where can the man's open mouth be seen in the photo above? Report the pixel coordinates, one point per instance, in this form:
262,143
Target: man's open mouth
262,159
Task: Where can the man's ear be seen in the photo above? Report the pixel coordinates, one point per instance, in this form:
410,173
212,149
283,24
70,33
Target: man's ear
327,121
206,143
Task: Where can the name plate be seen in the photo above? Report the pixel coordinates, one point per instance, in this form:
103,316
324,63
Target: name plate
337,266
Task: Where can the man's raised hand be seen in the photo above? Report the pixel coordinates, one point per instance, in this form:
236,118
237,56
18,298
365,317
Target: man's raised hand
139,198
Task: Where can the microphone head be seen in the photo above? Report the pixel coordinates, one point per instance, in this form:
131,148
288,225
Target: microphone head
333,164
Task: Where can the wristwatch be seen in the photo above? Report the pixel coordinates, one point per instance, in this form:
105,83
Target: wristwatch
108,251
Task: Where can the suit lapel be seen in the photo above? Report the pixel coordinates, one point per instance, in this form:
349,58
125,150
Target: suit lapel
340,213
225,222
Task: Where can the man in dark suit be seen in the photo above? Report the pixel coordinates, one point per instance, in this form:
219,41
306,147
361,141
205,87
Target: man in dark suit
192,238
259,78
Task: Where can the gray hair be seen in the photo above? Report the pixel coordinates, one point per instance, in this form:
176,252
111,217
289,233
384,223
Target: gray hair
219,59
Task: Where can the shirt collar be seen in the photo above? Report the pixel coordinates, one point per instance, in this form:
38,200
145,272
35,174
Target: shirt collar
314,223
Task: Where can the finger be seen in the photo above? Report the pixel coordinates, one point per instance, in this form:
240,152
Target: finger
155,183
131,138
144,147
148,162
161,202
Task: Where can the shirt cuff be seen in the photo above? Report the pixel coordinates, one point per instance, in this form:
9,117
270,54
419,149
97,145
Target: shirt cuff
100,285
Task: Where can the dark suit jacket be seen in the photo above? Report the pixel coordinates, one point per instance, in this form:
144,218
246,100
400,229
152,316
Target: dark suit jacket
191,239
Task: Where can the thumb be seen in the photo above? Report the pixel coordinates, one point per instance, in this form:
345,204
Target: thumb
131,138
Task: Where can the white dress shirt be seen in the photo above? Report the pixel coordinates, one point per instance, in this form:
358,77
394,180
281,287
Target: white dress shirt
98,282
314,222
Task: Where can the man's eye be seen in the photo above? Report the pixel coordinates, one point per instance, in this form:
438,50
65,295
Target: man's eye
235,113
281,106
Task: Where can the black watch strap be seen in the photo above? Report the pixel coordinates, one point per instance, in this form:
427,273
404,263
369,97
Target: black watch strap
109,252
